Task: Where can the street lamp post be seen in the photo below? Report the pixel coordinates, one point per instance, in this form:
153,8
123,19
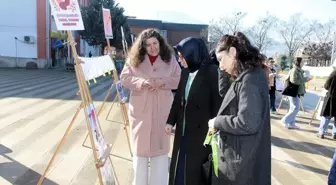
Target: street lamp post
333,46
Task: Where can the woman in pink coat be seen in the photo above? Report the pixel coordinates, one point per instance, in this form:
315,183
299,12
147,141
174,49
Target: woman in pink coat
151,72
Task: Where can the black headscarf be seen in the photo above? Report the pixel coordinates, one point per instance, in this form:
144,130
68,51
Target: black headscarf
214,57
195,52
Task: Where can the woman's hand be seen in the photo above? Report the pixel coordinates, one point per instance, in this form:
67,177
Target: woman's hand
168,129
149,84
211,123
159,83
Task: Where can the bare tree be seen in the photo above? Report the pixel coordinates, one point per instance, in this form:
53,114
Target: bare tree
324,33
319,50
259,33
295,32
227,24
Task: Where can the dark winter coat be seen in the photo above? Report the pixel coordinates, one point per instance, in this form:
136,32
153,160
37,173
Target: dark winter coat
202,104
244,136
329,104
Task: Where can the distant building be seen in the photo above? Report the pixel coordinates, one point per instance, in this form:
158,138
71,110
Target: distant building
30,35
173,32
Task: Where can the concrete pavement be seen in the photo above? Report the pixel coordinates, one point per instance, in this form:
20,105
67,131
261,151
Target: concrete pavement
36,106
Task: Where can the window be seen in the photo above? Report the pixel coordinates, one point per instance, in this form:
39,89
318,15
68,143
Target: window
163,33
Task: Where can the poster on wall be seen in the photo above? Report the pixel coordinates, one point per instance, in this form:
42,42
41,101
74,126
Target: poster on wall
67,14
107,170
107,23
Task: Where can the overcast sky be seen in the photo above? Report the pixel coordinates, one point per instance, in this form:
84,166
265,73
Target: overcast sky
188,11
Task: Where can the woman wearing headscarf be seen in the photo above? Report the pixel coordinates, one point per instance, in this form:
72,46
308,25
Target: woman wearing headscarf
214,57
243,122
196,101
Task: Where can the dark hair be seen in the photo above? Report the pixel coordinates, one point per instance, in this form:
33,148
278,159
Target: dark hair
138,50
298,61
248,56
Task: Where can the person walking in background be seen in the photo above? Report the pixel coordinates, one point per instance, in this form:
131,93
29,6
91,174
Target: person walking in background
272,83
151,72
329,105
295,89
243,122
196,101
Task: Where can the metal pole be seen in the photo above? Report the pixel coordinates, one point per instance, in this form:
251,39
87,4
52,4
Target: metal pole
16,52
333,46
47,32
333,49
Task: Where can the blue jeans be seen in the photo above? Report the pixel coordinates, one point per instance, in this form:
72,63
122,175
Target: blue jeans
332,172
324,125
294,108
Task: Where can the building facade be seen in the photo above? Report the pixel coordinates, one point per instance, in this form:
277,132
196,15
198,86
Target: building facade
173,32
30,34
23,34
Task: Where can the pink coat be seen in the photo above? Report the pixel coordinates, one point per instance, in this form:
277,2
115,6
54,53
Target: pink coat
148,110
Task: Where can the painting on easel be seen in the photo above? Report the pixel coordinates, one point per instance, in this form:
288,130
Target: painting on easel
101,145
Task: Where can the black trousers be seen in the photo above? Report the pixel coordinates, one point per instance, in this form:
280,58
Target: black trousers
272,98
179,178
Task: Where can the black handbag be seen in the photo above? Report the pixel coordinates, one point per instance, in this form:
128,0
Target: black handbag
290,89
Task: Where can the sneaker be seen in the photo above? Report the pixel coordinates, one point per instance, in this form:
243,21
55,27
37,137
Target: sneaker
293,127
274,112
320,136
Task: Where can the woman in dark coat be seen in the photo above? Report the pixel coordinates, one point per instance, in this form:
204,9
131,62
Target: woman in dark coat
243,122
329,106
196,101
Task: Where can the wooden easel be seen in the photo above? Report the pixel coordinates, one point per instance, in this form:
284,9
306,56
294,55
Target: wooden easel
322,96
120,102
86,100
302,108
316,109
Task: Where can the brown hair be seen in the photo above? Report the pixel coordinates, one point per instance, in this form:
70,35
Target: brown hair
138,50
248,56
298,61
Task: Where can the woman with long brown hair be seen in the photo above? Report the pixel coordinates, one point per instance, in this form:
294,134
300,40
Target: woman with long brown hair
151,73
243,121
